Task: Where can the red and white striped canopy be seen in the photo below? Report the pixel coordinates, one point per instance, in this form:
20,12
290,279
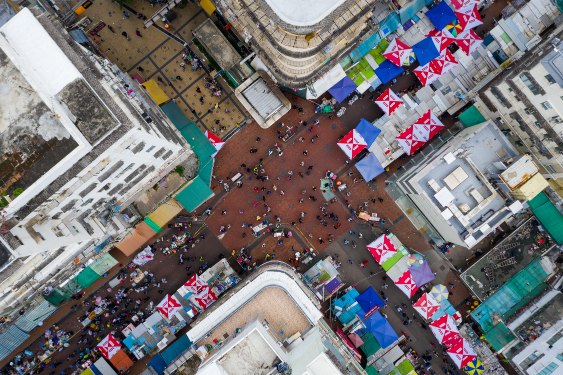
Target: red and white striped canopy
425,75
409,141
382,248
217,142
444,328
432,121
388,101
205,298
352,144
443,63
168,306
397,52
469,16
195,284
407,284
461,352
426,306
109,346
441,38
468,41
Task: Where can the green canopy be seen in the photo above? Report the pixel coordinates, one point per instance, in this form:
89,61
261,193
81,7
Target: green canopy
370,370
194,194
405,367
103,264
86,277
471,117
370,345
499,336
548,215
152,224
392,261
56,297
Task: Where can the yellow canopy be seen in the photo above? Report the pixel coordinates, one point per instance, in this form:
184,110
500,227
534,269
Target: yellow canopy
165,213
207,6
155,92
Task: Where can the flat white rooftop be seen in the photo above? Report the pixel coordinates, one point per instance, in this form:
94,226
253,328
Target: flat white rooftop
303,12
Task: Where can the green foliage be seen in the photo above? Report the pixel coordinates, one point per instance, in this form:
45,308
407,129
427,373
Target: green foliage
180,170
17,191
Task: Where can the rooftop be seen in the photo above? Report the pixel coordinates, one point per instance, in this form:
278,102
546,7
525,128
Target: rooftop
303,12
506,259
543,319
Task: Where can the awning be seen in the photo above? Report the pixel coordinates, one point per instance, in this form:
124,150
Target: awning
165,213
155,92
369,167
381,329
342,89
425,51
441,15
368,131
471,117
369,301
548,215
387,71
194,194
140,236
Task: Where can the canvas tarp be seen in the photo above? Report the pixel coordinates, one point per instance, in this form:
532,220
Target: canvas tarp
548,215
342,89
425,51
86,277
121,362
387,71
440,15
370,345
369,167
369,300
157,364
176,349
194,194
154,226
165,213
381,329
370,370
368,131
137,239
405,367
103,264
55,297
499,336
155,92
471,117
421,273
389,263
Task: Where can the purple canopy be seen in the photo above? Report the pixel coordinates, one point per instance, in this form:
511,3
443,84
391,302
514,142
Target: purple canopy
421,273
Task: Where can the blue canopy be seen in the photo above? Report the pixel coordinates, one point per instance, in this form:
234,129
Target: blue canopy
425,51
368,131
342,89
381,329
386,71
441,15
369,167
369,300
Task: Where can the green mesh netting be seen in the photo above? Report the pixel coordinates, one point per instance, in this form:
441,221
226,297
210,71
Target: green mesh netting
86,277
103,264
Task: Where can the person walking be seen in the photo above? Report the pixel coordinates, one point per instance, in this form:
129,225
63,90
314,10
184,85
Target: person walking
110,28
138,33
125,35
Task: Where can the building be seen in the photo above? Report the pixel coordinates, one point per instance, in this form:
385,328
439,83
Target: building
270,322
78,144
451,187
526,101
299,41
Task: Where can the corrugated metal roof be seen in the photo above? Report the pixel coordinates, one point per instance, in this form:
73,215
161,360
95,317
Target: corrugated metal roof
519,172
11,339
38,314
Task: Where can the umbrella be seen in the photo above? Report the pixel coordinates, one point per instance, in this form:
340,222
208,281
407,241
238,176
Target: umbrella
421,131
398,52
406,284
409,141
352,144
461,353
440,292
421,273
109,346
444,328
454,28
442,39
382,248
468,41
356,339
444,63
387,71
217,142
474,367
342,89
205,298
432,121
425,75
388,101
168,306
469,16
426,306
415,258
195,284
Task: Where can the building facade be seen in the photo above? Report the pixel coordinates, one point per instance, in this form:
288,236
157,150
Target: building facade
297,40
78,144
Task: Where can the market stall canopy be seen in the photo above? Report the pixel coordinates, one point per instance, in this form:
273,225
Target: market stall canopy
356,339
440,15
443,63
409,142
388,101
342,89
426,306
425,75
195,284
369,167
406,284
369,301
382,248
458,4
439,292
352,144
205,298
468,41
109,346
398,52
444,328
215,140
432,121
453,28
387,71
368,131
442,39
381,329
421,273
425,51
474,367
461,353
469,16
169,306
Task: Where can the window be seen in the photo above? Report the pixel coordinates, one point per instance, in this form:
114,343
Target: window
549,79
549,369
531,84
446,90
546,105
560,357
